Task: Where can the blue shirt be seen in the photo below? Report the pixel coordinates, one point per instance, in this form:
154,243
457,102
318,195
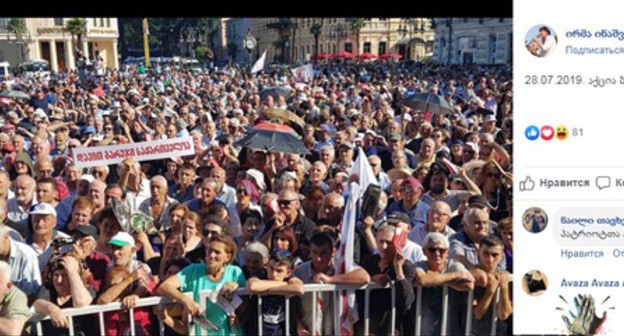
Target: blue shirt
417,215
196,204
63,213
187,196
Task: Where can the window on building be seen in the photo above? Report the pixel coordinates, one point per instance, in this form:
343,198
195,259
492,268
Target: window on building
108,22
382,48
367,47
348,47
492,47
334,49
58,21
322,49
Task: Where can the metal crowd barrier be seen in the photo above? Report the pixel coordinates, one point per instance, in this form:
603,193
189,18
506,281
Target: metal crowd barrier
313,289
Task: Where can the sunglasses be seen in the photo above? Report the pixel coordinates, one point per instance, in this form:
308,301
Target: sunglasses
284,202
210,233
490,174
241,190
433,250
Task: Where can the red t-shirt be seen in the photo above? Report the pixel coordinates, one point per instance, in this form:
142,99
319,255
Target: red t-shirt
118,323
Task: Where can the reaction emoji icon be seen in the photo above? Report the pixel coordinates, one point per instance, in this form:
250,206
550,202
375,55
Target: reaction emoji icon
532,132
562,132
547,132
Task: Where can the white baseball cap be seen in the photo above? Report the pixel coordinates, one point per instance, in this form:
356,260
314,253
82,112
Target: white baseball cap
88,178
42,209
122,239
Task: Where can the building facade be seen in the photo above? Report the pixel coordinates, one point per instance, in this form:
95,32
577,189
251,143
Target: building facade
411,38
48,40
236,30
473,41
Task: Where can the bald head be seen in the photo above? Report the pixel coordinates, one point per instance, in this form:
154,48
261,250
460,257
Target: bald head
219,174
43,167
438,216
97,191
24,188
333,199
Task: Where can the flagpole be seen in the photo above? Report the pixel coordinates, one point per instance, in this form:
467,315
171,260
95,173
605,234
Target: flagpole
146,42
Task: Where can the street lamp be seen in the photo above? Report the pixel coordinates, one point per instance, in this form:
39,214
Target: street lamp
250,44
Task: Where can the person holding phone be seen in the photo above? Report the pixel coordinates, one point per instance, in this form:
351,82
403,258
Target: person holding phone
389,265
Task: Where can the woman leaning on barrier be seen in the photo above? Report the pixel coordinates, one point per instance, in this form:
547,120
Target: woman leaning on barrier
216,275
64,287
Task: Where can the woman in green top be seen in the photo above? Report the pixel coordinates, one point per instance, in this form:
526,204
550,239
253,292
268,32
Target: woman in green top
217,272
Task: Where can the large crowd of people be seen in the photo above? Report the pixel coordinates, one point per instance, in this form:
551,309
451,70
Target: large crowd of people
232,217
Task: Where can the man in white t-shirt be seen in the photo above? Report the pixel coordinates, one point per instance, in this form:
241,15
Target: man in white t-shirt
545,42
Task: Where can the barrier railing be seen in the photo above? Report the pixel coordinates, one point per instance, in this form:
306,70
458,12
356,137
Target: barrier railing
312,289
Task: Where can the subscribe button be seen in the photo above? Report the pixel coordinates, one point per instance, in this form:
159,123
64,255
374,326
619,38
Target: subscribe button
600,182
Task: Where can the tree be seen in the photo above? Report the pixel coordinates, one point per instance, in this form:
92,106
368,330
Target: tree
77,27
17,26
202,53
316,29
356,26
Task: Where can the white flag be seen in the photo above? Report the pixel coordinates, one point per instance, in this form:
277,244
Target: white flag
362,168
344,261
259,63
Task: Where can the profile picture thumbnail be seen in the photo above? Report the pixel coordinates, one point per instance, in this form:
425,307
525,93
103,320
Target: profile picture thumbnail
541,41
534,283
535,220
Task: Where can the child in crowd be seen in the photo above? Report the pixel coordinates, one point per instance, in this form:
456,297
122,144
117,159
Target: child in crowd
277,285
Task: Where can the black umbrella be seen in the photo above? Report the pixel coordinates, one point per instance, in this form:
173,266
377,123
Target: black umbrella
428,102
273,138
275,92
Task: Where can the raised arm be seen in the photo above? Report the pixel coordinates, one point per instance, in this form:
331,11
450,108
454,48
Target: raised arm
81,296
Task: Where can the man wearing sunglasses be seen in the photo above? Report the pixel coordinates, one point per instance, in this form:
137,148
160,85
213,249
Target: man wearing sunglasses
288,202
439,270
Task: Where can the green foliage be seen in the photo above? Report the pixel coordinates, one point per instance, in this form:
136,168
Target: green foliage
164,32
200,53
16,26
357,24
77,27
316,29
